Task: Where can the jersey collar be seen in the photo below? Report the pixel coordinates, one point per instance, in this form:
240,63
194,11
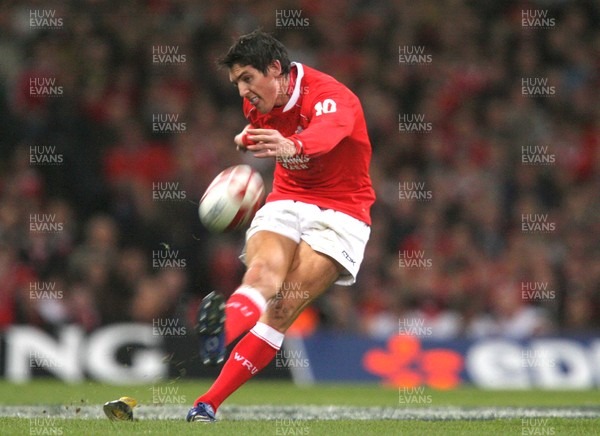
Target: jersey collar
296,93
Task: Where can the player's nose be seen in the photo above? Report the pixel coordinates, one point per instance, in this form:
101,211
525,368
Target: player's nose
243,90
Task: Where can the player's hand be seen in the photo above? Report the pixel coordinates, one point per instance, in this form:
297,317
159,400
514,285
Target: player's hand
239,139
269,143
239,144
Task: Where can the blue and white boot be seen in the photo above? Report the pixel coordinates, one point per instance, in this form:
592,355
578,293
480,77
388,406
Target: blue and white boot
203,412
211,329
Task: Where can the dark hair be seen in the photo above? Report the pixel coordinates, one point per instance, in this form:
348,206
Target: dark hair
257,49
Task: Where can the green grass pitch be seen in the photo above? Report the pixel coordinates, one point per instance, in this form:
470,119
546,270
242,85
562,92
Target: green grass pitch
181,394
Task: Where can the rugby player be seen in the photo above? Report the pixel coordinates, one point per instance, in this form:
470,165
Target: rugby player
313,228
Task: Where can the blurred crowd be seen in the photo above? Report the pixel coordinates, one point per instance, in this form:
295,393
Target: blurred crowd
100,175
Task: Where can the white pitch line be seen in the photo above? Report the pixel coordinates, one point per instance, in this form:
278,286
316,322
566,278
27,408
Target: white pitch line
304,412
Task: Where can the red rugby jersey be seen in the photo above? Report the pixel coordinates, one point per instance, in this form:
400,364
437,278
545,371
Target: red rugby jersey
326,122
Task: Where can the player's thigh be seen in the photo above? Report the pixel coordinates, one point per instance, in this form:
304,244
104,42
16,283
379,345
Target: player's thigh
269,257
311,274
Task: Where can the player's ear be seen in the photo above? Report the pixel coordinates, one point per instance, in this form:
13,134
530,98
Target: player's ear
275,68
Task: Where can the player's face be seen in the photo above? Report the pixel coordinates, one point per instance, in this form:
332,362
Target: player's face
262,91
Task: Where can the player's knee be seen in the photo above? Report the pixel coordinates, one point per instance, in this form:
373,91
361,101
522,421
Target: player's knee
263,275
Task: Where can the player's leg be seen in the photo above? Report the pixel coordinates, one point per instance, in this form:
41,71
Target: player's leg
332,248
314,272
301,287
268,256
271,243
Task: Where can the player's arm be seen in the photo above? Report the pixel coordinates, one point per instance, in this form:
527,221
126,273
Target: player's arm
332,118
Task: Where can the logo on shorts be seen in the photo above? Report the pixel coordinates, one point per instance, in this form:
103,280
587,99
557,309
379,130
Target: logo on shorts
348,258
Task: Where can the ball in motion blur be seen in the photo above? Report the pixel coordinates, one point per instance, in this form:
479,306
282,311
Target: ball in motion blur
232,199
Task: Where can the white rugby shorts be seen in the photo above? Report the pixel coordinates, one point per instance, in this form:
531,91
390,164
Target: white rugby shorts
327,231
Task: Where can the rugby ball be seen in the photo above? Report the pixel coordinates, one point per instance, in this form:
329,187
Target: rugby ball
232,199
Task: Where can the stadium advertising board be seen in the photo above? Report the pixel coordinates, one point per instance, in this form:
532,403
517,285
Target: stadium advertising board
567,362
131,353
125,353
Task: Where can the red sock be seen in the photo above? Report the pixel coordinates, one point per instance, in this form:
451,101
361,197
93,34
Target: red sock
243,309
248,357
